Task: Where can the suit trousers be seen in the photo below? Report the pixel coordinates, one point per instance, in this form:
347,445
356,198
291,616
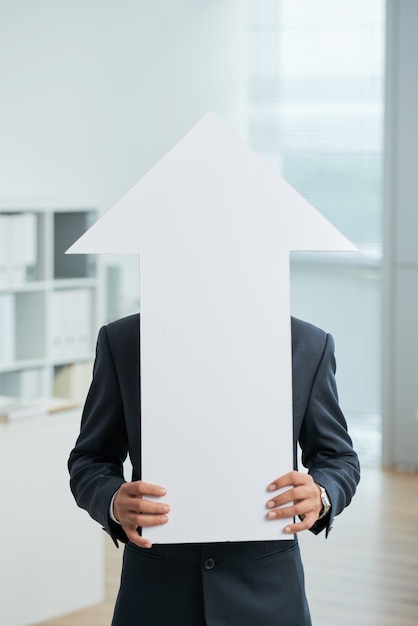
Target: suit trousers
215,584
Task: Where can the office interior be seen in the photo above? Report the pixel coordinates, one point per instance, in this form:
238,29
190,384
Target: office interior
92,95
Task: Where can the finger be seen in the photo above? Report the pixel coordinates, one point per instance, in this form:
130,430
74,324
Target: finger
139,488
288,511
290,479
152,520
129,500
131,528
303,492
149,489
136,538
281,500
134,520
137,511
297,527
149,507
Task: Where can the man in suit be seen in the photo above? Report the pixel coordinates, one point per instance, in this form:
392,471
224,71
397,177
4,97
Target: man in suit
214,584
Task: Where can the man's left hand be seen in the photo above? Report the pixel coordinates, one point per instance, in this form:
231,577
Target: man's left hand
302,498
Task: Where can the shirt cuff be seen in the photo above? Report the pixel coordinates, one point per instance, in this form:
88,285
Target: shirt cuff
111,514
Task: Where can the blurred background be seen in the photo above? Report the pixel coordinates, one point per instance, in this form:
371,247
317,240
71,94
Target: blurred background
92,95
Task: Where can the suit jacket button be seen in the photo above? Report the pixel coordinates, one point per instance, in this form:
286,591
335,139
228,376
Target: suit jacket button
209,563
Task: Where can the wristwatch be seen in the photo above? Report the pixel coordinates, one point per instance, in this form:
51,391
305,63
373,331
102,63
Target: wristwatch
326,504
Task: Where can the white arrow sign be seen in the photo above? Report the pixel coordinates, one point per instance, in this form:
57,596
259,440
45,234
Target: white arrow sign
213,225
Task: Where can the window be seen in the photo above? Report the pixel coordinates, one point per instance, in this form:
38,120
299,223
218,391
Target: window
315,98
315,113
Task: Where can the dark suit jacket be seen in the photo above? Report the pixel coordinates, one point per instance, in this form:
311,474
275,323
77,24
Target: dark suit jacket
111,428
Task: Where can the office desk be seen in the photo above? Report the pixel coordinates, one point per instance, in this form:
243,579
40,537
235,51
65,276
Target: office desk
52,553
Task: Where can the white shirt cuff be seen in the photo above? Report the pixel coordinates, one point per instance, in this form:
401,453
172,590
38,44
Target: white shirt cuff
111,514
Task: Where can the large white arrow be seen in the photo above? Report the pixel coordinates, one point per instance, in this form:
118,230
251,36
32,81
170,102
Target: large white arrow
213,225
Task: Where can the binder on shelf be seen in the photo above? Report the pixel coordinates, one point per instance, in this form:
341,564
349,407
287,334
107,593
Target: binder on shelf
81,324
18,248
34,383
17,252
73,381
27,384
29,244
70,324
7,328
56,324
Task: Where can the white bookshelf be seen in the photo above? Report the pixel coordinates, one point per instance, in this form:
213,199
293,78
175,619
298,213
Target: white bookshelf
50,303
50,309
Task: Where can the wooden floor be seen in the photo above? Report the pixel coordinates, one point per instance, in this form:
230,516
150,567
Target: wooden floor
365,574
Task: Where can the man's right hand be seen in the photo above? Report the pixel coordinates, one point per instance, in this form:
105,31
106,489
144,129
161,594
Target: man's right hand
133,510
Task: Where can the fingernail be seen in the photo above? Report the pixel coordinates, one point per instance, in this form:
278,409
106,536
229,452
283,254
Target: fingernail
287,529
270,504
272,487
163,491
271,514
164,519
166,508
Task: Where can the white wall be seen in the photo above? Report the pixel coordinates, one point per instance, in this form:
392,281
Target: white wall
94,92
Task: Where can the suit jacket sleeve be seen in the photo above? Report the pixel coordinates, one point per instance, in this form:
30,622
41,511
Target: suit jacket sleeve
96,462
327,449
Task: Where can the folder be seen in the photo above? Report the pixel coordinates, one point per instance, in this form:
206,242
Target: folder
7,328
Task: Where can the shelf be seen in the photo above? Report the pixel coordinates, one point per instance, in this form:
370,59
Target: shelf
68,283
15,366
36,285
20,243
49,302
30,312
